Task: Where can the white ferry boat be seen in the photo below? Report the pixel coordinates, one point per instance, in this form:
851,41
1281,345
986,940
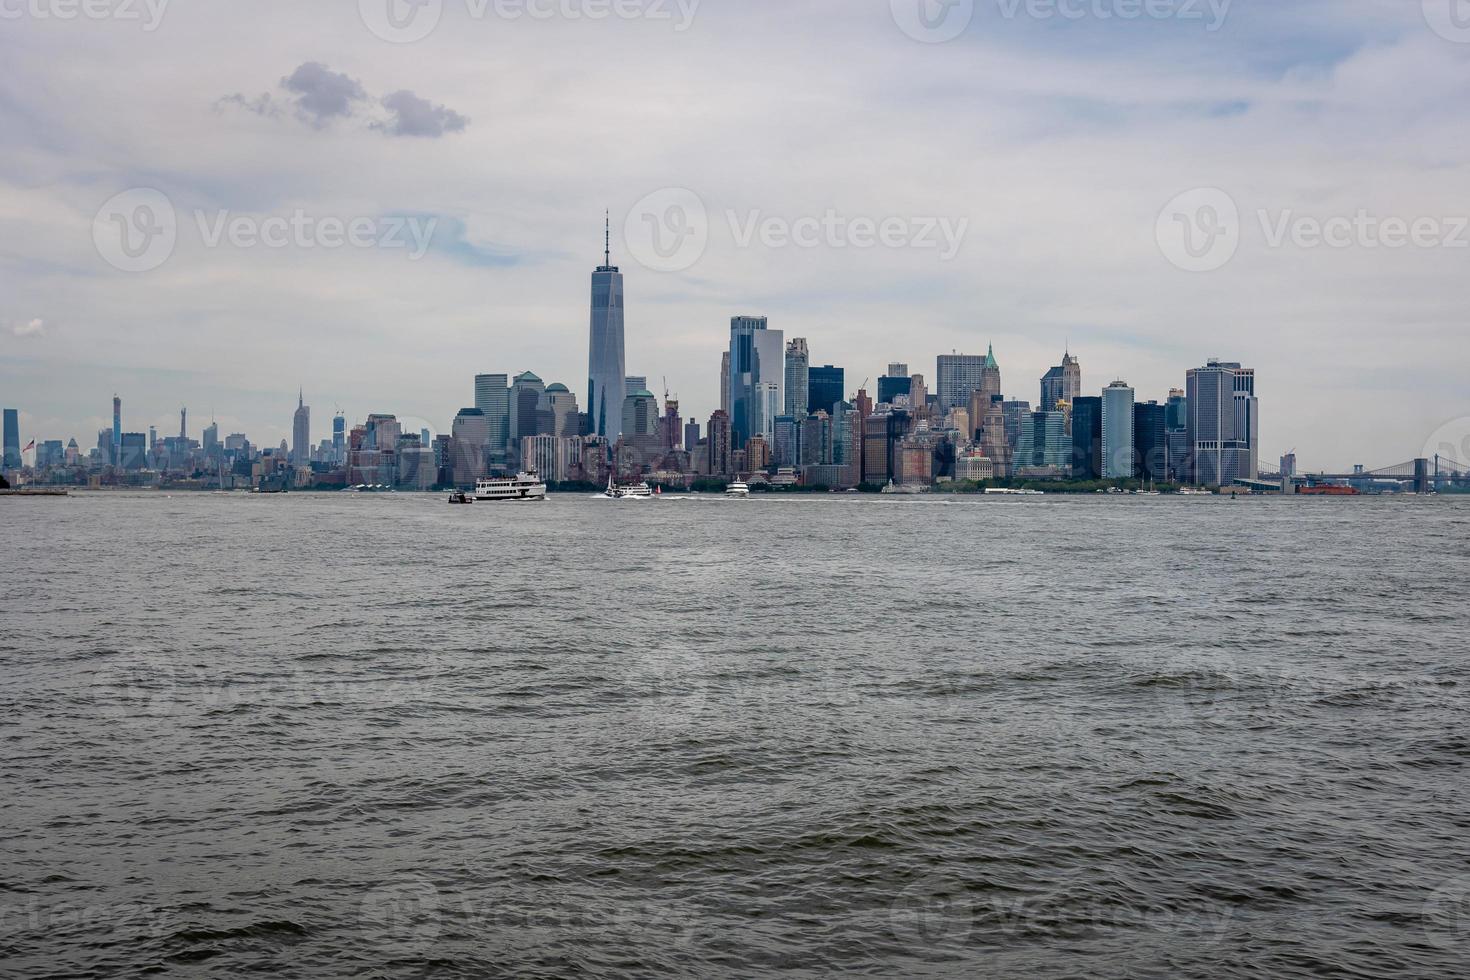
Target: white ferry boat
525,486
623,491
738,489
1010,492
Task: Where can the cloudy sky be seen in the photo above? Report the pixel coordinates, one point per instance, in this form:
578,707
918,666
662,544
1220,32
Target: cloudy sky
213,204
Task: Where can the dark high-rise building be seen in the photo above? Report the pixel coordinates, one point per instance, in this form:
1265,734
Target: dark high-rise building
1087,438
492,396
339,439
117,432
718,443
798,365
691,435
1150,442
892,386
133,450
606,365
826,386
11,458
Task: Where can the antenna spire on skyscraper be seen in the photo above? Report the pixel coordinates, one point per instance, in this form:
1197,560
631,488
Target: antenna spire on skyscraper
607,238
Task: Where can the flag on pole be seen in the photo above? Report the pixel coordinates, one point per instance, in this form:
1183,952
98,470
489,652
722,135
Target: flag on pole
29,446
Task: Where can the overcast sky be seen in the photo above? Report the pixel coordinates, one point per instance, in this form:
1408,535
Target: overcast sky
1024,162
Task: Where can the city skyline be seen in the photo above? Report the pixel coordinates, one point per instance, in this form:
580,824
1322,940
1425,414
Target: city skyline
1056,254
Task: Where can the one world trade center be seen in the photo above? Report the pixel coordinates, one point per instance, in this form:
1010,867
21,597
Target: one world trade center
606,363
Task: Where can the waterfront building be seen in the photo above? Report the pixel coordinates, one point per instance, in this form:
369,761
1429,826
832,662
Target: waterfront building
11,459
1176,434
768,402
757,454
471,443
1087,437
526,392
606,369
1117,431
798,364
718,444
974,465
1223,423
132,450
1042,446
1150,442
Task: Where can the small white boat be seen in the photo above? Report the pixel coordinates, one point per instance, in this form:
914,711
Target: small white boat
738,489
1011,492
524,486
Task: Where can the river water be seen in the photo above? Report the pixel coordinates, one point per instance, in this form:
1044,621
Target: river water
357,735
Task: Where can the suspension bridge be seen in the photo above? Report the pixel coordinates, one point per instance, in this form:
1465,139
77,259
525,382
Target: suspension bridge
1427,475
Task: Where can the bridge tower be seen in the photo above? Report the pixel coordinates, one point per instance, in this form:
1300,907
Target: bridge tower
1421,475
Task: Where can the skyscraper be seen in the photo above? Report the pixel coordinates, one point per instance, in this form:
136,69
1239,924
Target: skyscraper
798,364
301,433
117,432
183,423
492,396
718,443
471,437
825,388
1150,442
11,457
339,438
892,386
1062,383
757,354
606,366
956,378
525,399
1117,431
1087,438
990,375
1224,426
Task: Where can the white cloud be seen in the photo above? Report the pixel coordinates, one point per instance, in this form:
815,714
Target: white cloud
31,328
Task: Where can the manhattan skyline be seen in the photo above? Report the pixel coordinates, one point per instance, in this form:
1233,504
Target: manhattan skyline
484,127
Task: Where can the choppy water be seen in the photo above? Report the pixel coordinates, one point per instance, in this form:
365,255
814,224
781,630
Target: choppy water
380,736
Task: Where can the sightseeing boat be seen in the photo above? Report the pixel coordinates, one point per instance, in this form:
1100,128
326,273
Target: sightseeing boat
523,486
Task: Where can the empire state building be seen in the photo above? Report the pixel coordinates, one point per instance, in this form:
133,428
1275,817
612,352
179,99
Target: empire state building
606,367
